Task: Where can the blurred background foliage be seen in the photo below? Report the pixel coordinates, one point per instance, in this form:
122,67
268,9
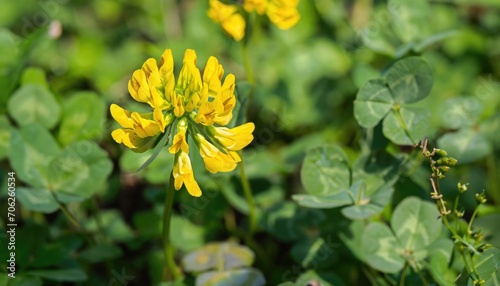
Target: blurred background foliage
62,63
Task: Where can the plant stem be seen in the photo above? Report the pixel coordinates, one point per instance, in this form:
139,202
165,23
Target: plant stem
250,200
73,220
494,181
246,63
168,250
98,219
474,214
250,78
403,274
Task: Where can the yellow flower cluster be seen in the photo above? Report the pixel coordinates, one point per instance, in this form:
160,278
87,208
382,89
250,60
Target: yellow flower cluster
193,105
283,13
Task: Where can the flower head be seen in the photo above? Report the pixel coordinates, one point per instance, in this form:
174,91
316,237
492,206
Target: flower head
282,13
195,105
227,16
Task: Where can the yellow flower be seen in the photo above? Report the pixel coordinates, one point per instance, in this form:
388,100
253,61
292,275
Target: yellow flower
200,105
282,13
258,5
138,132
215,160
227,16
183,175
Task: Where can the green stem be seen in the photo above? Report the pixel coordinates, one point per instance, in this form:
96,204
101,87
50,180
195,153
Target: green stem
168,250
250,200
98,219
250,78
403,274
473,267
422,277
73,220
494,181
468,267
474,214
246,63
455,210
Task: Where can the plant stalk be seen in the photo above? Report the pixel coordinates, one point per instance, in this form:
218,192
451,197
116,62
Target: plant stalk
249,198
168,249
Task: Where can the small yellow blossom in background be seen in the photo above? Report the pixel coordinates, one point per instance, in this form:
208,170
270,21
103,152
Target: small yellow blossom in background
228,17
195,105
282,13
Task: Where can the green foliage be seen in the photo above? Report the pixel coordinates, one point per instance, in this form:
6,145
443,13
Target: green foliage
326,168
230,261
34,103
407,81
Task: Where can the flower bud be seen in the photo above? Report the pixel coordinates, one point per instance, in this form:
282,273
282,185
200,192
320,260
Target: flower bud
481,198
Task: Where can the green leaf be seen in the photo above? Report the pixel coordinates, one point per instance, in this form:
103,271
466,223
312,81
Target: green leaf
148,223
287,222
187,236
373,102
10,65
410,19
31,149
487,266
35,76
312,253
21,280
219,256
113,225
353,238
312,277
440,255
81,169
14,53
381,40
82,118
26,246
61,275
441,271
416,224
340,199
37,199
98,253
261,162
410,80
154,172
488,226
288,283
325,171
406,126
490,128
34,103
369,206
4,136
466,145
57,252
459,112
442,247
236,200
380,248
245,276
